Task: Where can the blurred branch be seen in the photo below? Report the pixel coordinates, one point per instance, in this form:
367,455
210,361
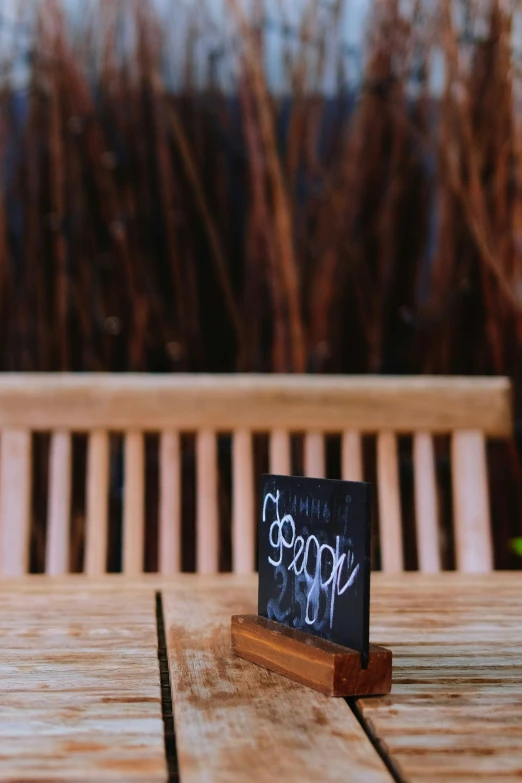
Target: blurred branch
282,209
222,272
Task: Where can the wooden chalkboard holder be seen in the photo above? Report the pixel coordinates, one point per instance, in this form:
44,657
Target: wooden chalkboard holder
325,666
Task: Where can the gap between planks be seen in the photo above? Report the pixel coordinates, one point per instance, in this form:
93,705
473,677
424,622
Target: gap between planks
166,696
378,744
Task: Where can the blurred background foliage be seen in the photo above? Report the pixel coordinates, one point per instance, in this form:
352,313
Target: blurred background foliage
164,208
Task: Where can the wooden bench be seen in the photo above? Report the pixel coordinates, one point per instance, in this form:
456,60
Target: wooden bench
469,409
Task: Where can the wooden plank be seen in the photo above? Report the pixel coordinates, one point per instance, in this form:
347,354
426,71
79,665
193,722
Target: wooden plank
351,456
314,459
133,503
255,402
390,526
426,505
236,721
97,500
319,664
170,503
207,520
59,503
15,501
474,549
455,710
504,583
82,699
243,515
280,456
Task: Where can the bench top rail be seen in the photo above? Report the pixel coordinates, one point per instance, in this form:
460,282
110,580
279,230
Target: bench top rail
331,403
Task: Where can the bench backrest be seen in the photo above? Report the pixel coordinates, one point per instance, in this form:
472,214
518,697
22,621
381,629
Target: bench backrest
469,409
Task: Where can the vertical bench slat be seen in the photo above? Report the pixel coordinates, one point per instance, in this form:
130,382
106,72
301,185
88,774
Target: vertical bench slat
426,505
97,500
243,522
279,457
474,551
207,521
15,501
314,461
390,527
133,503
170,503
59,504
351,456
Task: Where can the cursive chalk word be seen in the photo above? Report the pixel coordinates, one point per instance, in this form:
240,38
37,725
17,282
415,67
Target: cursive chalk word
324,569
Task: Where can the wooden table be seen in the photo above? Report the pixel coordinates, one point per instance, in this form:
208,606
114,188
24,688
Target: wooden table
86,692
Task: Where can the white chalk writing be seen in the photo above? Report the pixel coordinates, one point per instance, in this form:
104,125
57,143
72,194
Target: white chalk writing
323,567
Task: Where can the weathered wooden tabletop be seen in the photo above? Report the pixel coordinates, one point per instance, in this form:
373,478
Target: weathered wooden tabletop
85,690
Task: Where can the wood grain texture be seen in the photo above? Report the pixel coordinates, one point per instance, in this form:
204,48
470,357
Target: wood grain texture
239,722
455,710
255,402
80,692
314,458
388,493
170,503
426,503
243,514
15,501
59,504
97,503
80,689
280,462
207,521
473,545
133,503
324,666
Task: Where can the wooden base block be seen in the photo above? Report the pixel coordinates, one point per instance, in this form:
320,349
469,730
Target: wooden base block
327,667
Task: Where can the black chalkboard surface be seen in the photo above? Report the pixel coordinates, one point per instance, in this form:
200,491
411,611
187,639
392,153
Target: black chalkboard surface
314,557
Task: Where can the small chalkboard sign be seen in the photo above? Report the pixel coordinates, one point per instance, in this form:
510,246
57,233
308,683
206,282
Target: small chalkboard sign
314,589
314,558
